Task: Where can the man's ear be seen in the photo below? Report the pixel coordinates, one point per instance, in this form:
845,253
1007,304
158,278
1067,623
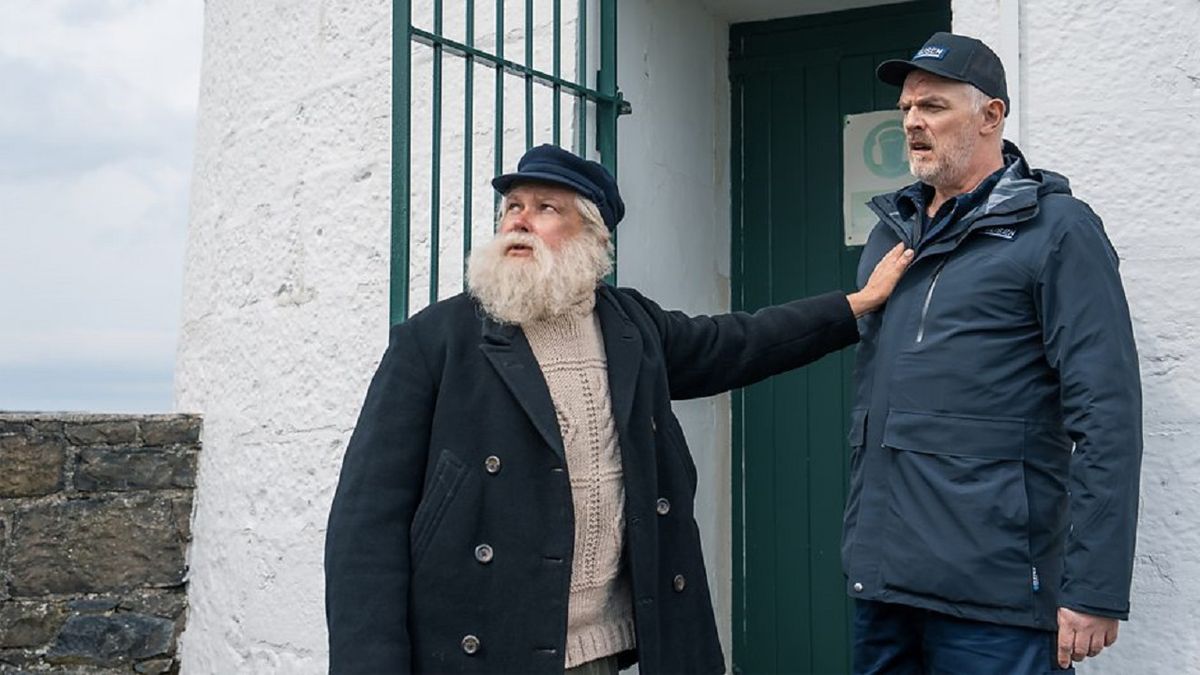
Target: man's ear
993,116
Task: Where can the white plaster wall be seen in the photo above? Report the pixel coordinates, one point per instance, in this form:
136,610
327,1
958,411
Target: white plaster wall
285,312
674,242
1111,97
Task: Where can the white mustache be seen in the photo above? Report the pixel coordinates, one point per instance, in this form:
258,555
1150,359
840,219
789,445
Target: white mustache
510,239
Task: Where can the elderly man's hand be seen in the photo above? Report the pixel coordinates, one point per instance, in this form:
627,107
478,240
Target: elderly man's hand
882,282
1081,635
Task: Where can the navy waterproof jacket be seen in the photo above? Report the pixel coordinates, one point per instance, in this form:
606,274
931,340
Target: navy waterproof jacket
997,429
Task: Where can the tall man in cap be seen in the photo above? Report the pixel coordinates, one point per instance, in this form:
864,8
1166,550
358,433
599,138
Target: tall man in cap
517,495
997,441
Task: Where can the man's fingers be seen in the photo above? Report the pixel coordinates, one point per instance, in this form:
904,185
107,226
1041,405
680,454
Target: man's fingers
899,254
1081,645
1110,635
1096,643
1066,638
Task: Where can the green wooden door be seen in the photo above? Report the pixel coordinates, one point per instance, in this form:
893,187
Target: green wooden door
792,81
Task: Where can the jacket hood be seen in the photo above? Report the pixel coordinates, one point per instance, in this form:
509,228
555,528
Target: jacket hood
1048,182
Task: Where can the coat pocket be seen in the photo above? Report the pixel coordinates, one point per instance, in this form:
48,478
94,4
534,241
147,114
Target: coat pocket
448,475
672,436
958,510
856,439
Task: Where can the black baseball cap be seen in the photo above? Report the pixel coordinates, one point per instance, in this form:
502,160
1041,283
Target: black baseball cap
955,57
551,164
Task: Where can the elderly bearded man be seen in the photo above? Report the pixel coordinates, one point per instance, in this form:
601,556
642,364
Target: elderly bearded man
975,540
517,496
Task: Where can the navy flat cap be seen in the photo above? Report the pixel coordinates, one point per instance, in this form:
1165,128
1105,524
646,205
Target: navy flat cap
551,164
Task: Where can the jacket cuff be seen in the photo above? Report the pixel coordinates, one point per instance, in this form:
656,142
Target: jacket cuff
1098,604
844,329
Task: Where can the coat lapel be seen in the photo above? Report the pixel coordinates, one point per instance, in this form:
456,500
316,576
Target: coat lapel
509,353
623,350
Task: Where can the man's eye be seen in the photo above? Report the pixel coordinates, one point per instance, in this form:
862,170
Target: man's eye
550,207
512,206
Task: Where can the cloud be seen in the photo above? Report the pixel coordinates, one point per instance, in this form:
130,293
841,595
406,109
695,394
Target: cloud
96,137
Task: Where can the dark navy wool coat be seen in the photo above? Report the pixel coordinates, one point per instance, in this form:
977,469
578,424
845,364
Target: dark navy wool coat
451,535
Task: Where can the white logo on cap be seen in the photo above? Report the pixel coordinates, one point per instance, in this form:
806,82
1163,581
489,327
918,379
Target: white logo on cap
931,53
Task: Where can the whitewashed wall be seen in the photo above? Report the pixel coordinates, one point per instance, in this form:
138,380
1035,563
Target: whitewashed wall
674,243
1111,98
285,312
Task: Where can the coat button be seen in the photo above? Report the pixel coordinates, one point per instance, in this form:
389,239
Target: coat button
484,553
470,644
492,464
662,506
679,583
858,587
653,425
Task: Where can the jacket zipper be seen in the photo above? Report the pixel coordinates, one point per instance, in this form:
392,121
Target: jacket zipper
929,298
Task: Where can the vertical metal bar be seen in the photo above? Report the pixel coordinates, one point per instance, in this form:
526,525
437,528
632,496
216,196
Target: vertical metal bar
468,137
401,170
557,70
435,188
581,75
499,132
606,83
528,78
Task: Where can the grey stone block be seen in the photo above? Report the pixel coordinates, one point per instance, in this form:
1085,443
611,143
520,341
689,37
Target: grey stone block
29,624
156,667
97,545
3,556
102,432
13,661
166,603
30,467
93,605
102,469
111,640
174,430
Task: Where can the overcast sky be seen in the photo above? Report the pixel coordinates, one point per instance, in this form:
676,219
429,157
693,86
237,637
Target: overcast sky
97,119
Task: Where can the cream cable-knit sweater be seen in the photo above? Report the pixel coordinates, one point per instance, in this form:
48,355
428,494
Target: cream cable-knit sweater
570,351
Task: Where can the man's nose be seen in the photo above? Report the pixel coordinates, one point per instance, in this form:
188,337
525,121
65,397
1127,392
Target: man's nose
912,120
515,221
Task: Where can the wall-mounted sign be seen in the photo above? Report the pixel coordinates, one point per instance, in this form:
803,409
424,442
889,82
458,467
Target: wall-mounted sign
874,161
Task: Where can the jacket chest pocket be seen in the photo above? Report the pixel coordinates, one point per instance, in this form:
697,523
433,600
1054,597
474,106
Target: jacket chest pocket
974,292
958,510
448,476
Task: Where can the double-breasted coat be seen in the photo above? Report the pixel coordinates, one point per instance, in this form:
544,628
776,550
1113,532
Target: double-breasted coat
450,538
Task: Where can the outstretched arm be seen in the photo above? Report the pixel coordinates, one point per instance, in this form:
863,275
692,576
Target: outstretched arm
707,355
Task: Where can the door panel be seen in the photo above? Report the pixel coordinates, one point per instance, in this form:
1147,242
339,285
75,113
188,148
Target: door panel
792,81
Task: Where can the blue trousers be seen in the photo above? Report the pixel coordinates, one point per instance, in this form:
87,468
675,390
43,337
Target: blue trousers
900,640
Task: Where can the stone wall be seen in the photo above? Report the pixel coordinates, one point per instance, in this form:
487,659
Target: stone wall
94,528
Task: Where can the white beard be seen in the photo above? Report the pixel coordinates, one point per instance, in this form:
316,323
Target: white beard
518,290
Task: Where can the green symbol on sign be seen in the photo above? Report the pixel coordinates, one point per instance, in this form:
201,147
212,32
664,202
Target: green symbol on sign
883,151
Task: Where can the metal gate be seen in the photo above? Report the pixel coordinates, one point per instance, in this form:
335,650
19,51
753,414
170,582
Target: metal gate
447,65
